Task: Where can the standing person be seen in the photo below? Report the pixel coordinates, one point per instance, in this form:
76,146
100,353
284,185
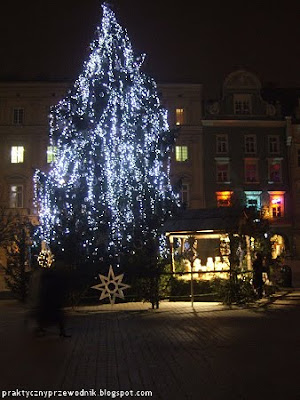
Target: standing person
257,275
49,297
53,299
33,298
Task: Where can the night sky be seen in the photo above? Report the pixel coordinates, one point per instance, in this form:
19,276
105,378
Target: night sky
185,41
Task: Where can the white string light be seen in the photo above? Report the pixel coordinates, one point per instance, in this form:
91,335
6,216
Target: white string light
113,151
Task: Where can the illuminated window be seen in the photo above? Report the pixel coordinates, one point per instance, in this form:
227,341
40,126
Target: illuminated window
275,171
17,154
276,204
185,194
224,199
179,116
273,144
222,172
51,153
253,199
250,144
16,196
18,116
251,171
221,144
181,153
242,104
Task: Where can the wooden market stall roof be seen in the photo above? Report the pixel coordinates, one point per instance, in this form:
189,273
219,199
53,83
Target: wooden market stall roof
221,219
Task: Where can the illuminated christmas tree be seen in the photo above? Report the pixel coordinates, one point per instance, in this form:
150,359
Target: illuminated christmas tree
108,189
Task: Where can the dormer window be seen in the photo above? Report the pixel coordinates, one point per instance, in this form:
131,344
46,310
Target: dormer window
242,104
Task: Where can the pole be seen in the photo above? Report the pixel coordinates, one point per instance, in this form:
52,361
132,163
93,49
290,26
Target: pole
192,283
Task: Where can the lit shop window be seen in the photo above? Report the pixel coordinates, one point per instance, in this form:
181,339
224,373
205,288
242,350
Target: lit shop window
251,171
276,204
179,116
253,199
224,199
222,172
17,154
181,153
221,144
16,196
51,153
18,116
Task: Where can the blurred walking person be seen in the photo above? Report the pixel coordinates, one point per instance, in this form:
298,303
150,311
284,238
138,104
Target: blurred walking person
258,275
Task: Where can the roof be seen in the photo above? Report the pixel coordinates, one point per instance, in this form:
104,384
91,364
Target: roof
242,79
286,97
222,219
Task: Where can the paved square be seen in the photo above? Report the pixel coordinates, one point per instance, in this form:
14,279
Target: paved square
208,352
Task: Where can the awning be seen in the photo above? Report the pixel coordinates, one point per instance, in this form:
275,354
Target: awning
222,219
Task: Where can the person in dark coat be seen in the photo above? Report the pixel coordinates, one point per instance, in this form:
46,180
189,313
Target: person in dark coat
258,275
50,300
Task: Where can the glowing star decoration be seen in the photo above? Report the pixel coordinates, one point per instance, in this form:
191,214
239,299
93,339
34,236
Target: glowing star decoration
111,286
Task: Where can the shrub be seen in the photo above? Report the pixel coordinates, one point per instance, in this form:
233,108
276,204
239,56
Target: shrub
234,291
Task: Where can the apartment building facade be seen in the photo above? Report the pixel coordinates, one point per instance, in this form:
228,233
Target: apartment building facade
184,105
238,149
24,143
246,157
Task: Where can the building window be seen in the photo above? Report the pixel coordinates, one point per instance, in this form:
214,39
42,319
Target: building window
251,171
16,196
273,144
181,153
221,144
275,171
250,144
185,194
18,116
224,199
51,153
242,104
253,199
276,204
17,154
223,172
298,158
179,116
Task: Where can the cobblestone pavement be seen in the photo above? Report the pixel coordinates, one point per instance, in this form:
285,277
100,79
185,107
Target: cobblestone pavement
177,352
